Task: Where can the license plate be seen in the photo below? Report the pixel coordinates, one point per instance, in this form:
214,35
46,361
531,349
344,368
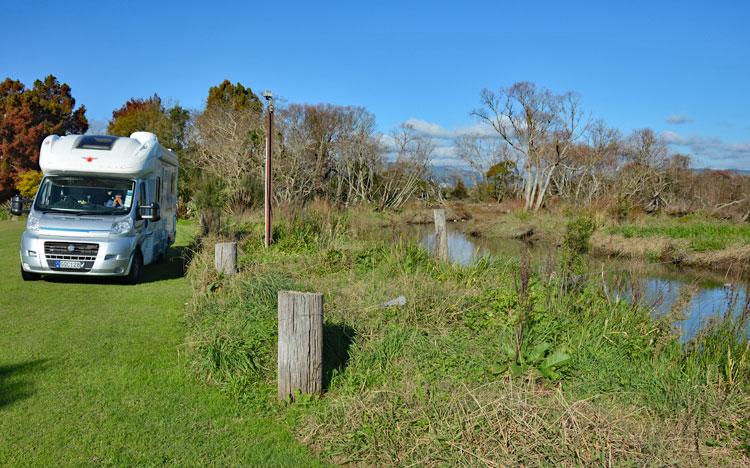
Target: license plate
69,265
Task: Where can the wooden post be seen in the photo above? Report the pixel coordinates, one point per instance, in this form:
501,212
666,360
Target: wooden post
441,235
300,343
225,257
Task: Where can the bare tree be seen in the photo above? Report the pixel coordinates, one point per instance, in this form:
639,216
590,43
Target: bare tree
481,152
327,151
642,175
227,143
539,126
410,168
592,163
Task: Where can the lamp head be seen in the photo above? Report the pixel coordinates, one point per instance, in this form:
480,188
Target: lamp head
268,95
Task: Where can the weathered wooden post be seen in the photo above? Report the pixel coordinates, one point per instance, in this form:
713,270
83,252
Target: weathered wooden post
300,343
225,257
441,235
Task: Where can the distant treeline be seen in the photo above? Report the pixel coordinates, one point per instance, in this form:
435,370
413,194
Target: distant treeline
533,145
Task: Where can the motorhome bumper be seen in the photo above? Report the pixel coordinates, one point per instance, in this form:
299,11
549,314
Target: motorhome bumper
111,259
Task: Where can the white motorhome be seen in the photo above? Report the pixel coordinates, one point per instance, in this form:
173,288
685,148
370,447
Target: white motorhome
106,206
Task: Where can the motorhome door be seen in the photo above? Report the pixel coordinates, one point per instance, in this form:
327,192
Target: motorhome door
144,227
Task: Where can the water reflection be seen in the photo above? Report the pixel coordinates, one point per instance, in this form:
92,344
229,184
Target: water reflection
461,249
699,301
659,287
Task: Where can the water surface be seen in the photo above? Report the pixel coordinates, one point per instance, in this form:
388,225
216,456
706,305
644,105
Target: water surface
701,296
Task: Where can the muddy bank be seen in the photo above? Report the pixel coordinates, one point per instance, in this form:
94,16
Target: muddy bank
733,259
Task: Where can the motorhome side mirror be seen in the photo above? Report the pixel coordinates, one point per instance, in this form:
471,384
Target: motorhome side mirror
150,212
16,205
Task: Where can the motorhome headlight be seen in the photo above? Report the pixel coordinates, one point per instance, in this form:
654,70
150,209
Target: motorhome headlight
122,227
32,224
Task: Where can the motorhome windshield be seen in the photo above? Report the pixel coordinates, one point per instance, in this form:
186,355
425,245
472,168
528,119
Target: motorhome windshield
85,195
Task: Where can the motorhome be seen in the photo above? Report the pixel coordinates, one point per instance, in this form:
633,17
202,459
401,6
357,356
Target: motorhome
106,206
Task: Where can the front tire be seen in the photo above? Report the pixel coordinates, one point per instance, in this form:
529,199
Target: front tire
136,269
30,276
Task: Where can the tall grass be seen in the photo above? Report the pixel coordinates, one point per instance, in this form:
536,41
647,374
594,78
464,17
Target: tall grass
493,363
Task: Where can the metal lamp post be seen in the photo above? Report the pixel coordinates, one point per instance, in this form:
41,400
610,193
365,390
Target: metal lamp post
269,138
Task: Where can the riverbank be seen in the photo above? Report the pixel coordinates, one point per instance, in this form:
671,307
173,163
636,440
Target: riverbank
491,363
691,241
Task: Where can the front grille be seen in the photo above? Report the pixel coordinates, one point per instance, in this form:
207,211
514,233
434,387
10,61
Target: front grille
62,251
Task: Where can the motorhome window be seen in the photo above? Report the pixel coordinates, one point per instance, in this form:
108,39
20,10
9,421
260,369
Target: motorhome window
96,142
85,195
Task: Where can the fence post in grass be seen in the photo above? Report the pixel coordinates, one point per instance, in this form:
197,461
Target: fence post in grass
225,257
300,343
441,235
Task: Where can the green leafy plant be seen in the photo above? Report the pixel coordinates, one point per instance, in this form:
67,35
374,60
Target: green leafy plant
539,361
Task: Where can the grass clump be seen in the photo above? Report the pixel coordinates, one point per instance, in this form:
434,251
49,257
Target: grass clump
232,332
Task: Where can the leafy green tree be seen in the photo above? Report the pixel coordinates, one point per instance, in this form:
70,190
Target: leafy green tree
150,115
27,116
501,177
459,191
234,96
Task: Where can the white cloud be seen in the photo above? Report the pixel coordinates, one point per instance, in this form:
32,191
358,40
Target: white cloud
712,151
445,153
438,131
678,119
429,128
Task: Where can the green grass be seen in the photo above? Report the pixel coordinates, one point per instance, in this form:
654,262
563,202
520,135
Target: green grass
91,374
435,381
703,235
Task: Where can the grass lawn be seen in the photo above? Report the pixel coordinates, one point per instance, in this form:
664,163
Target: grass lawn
90,373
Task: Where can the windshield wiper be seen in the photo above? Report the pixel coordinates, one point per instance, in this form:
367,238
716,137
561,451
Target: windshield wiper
94,213
56,210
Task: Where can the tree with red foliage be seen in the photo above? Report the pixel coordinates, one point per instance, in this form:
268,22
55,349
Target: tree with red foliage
27,116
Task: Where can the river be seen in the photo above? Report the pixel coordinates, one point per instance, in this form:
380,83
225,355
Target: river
700,295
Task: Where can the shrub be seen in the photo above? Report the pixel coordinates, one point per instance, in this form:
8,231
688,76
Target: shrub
576,245
28,183
210,199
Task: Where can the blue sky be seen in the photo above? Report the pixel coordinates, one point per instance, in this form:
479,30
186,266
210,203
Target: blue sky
681,68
